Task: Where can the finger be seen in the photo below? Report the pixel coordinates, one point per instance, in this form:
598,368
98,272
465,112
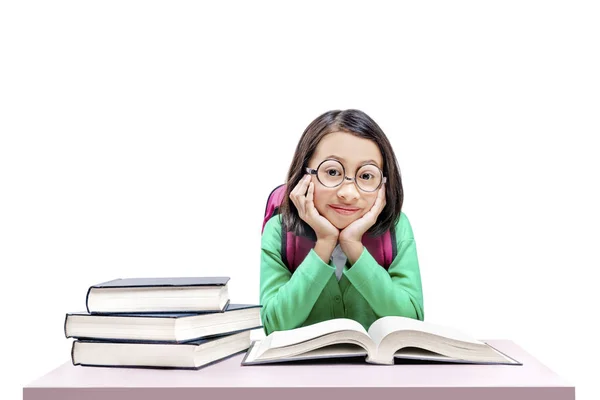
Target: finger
299,202
303,185
299,191
310,197
374,212
295,194
307,184
382,196
380,204
296,188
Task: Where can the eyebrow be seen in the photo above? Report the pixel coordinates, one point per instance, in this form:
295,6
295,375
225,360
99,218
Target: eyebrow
361,163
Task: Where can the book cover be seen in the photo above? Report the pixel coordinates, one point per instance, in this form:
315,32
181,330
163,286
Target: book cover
164,282
96,324
190,355
149,295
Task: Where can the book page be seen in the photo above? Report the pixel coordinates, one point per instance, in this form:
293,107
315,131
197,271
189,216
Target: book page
305,333
411,353
386,325
336,350
339,350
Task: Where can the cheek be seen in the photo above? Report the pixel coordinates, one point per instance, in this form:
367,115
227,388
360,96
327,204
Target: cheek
320,199
370,201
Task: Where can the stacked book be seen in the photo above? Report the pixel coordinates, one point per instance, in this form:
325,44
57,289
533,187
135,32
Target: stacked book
160,323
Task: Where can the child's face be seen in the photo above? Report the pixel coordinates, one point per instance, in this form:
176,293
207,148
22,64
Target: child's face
353,152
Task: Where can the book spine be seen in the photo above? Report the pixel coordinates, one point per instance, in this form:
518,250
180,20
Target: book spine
87,296
226,306
65,327
73,352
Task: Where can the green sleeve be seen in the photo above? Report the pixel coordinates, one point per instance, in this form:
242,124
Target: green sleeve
398,290
287,299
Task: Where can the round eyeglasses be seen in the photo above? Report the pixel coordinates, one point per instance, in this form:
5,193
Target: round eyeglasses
331,173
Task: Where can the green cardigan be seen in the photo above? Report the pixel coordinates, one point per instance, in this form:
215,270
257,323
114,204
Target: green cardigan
365,292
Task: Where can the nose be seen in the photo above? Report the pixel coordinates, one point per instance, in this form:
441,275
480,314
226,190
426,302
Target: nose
348,190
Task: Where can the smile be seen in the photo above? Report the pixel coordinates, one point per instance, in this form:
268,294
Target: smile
344,210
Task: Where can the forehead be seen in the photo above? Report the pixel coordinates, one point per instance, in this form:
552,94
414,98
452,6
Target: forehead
352,149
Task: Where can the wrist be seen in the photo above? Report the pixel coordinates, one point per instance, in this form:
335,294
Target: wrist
350,237
326,244
324,249
328,239
353,249
349,241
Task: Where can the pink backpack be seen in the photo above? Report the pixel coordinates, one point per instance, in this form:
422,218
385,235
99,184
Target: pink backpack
295,248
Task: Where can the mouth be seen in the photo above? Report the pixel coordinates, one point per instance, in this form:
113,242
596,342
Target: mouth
344,210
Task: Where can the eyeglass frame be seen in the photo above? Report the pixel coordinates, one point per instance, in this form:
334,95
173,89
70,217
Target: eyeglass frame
346,178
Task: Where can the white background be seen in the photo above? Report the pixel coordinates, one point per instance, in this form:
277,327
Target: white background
142,139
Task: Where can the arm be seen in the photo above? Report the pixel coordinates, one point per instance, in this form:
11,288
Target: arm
288,299
398,290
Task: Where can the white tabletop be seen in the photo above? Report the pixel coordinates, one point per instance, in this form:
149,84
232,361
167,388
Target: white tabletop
342,374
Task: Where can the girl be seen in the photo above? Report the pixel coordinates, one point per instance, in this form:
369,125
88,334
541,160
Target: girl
339,247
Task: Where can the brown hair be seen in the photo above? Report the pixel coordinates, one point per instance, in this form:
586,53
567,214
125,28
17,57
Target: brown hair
361,125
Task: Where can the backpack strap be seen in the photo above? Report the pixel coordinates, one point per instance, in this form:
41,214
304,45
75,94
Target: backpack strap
273,204
383,248
295,248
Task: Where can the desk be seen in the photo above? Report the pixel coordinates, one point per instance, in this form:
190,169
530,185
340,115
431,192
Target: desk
349,380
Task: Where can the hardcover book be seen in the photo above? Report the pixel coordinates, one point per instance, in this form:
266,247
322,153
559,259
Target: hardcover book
190,355
136,295
162,327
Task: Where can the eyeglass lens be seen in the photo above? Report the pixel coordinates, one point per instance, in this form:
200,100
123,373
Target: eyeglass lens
331,173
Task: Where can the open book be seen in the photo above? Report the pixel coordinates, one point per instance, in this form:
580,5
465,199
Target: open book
387,338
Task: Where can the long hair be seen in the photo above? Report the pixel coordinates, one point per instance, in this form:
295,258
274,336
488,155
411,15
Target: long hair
361,125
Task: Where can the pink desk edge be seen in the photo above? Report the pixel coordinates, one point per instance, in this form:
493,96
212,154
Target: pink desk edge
229,380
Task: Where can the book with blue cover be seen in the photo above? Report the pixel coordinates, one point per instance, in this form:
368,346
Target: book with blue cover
190,355
162,327
151,295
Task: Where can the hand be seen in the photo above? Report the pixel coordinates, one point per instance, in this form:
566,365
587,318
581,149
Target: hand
304,202
354,232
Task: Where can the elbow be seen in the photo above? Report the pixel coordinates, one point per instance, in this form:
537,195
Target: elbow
269,320
267,326
418,309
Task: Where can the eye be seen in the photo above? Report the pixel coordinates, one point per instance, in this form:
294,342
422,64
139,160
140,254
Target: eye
367,176
333,172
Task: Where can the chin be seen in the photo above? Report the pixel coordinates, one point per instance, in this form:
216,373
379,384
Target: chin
341,223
